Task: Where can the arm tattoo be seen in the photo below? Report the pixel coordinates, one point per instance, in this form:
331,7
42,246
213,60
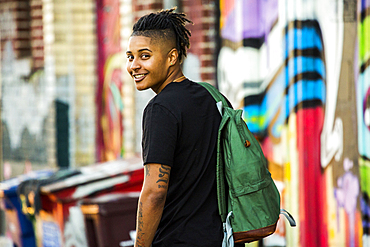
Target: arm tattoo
140,223
163,176
147,170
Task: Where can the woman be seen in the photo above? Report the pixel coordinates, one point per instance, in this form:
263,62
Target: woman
178,203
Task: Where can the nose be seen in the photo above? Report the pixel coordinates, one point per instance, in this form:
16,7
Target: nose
134,65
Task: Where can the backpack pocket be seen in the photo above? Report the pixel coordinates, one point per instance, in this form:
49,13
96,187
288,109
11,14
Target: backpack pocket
251,176
256,207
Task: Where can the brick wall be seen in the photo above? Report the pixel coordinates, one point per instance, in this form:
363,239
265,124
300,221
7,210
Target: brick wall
27,103
15,19
85,57
36,34
70,66
202,13
141,8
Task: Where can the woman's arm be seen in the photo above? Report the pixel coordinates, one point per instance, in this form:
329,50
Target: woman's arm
151,203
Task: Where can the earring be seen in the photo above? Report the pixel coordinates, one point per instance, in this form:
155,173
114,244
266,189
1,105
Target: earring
171,63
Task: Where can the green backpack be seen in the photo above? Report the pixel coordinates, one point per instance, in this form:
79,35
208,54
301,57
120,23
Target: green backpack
248,202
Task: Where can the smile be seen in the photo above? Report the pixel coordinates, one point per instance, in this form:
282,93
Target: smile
139,77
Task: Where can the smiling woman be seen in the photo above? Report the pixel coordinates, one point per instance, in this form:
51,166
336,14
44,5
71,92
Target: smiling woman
178,203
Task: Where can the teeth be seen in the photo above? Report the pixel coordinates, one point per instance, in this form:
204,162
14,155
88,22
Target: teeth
139,76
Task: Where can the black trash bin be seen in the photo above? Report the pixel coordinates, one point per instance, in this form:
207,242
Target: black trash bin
110,219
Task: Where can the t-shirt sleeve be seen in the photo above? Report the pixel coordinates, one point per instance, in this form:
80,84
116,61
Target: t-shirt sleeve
159,135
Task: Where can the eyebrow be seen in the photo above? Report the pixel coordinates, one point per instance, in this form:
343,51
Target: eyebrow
141,50
145,49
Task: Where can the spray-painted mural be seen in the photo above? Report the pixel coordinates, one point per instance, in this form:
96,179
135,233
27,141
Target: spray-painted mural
363,113
47,81
26,105
291,65
109,93
27,97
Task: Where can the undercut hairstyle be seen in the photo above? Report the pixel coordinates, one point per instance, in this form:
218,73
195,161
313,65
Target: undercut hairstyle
166,25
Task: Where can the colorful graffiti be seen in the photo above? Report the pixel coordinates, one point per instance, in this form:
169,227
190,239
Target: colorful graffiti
27,99
346,196
109,93
287,64
26,94
363,113
74,229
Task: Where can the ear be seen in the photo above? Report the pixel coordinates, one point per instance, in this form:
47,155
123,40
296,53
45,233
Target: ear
173,56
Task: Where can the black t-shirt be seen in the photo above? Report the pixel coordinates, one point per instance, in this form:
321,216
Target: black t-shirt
180,127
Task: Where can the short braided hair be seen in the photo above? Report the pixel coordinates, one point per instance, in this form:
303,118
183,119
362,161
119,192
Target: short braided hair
168,25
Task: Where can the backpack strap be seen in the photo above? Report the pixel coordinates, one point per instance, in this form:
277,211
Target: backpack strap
289,217
220,173
215,93
228,240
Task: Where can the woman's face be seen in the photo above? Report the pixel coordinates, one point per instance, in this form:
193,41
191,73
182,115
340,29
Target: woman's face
147,63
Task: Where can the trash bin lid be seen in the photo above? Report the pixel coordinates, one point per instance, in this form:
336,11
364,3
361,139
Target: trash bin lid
111,198
9,187
94,178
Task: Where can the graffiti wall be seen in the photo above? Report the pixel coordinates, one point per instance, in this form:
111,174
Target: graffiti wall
27,96
109,91
363,113
48,78
299,70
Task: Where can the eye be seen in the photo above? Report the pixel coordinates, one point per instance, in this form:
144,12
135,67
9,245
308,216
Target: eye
130,57
145,56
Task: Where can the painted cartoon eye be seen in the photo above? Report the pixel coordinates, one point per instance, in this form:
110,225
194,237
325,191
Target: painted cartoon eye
366,109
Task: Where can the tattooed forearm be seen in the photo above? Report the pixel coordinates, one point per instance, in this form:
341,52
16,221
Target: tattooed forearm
140,224
164,173
151,203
